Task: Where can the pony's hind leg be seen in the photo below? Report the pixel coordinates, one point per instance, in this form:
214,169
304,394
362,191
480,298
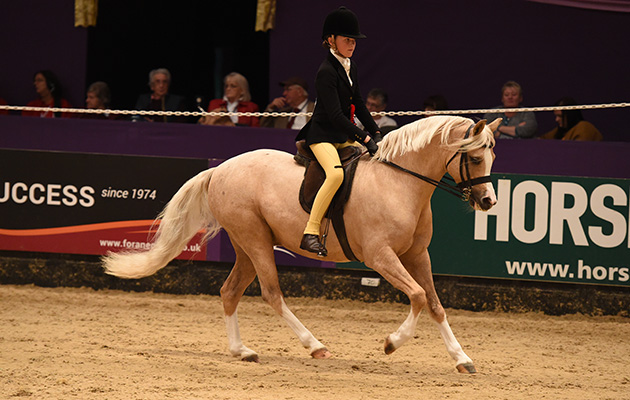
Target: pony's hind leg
271,293
259,253
419,266
241,276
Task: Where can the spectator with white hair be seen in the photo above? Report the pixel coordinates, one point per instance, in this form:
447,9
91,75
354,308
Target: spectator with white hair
160,99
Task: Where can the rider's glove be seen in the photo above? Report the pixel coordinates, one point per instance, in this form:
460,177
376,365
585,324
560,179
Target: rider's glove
371,146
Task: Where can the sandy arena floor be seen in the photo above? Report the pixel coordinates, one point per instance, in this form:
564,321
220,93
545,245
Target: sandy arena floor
65,343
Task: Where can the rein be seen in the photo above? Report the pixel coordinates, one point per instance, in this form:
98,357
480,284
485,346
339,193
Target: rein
455,190
463,189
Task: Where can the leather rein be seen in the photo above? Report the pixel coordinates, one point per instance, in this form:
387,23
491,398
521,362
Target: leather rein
463,189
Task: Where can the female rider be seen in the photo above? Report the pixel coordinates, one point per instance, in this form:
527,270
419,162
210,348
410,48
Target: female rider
331,127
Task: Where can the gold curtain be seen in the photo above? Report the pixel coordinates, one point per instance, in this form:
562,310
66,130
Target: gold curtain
265,15
85,12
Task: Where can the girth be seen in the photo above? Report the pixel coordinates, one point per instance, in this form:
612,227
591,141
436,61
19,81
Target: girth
314,177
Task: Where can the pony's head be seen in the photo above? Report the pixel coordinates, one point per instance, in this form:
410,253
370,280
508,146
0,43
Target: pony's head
469,154
472,161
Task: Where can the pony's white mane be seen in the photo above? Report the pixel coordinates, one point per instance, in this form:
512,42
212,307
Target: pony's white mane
416,135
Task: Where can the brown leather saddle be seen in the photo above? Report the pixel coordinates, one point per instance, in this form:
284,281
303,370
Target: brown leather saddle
314,177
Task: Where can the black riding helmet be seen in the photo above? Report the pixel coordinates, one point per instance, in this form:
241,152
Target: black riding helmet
342,22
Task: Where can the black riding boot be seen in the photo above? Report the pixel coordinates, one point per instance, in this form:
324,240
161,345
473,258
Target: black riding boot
311,243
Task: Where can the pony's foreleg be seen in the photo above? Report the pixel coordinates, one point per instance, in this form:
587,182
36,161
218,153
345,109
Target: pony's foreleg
403,334
386,263
463,363
419,266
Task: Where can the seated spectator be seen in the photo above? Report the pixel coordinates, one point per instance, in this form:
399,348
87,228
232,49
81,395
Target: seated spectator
376,101
3,102
50,94
236,98
98,98
294,99
160,99
515,124
435,102
571,125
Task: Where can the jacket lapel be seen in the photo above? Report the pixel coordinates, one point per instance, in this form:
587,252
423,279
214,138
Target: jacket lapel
340,70
353,72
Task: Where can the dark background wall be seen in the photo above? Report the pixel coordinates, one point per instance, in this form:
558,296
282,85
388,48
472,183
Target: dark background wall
466,50
199,41
37,35
461,49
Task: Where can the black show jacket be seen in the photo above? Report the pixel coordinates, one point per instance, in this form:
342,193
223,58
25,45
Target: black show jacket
331,118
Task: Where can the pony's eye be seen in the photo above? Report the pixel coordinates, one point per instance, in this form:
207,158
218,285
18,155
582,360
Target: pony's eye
476,160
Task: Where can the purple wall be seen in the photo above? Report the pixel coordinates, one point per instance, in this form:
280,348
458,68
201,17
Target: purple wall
138,138
39,35
532,157
466,50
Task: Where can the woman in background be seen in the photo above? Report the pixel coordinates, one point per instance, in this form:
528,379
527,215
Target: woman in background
571,125
50,94
98,97
236,98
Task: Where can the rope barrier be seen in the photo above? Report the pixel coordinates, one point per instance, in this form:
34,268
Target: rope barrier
292,114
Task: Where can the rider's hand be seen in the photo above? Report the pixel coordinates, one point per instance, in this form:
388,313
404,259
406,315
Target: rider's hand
371,146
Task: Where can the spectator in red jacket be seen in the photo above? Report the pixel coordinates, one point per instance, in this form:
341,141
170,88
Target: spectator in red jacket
236,98
50,94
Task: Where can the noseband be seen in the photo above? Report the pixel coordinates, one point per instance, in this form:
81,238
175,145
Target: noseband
463,189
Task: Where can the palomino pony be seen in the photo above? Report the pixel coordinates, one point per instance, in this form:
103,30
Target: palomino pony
254,197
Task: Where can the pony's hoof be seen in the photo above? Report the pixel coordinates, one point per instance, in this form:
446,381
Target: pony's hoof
321,353
389,346
251,358
466,368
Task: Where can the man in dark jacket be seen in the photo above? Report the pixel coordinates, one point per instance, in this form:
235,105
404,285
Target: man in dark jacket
160,99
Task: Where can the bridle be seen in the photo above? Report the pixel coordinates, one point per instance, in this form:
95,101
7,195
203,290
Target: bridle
463,189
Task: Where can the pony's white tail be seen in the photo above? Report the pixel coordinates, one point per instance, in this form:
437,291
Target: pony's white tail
186,214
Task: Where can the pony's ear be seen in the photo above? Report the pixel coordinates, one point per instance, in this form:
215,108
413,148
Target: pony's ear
494,124
479,127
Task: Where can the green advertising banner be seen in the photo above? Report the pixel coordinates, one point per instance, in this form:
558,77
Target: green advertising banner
543,228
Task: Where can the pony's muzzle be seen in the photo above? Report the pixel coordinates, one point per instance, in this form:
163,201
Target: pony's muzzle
484,200
487,202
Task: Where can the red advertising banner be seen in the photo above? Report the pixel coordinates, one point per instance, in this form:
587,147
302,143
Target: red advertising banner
87,203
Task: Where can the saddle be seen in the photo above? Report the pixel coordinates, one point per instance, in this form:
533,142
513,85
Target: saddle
314,177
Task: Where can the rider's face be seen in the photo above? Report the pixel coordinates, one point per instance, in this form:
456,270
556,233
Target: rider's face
344,45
